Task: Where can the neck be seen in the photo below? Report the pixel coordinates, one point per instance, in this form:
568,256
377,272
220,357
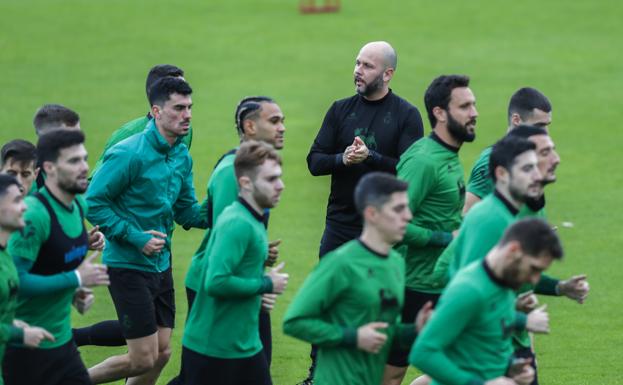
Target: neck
378,95
249,199
4,237
508,196
60,194
374,240
495,261
442,132
170,138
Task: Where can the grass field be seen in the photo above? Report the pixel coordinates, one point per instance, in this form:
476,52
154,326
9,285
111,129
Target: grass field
93,57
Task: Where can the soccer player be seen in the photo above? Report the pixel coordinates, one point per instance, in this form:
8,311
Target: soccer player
527,106
221,343
144,184
137,125
256,118
467,340
436,192
12,208
49,254
350,305
19,158
360,134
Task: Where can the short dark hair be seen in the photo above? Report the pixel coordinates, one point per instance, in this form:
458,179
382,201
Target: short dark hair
51,143
506,150
54,116
439,92
525,100
252,154
375,189
163,88
160,71
249,108
526,131
18,150
7,181
536,238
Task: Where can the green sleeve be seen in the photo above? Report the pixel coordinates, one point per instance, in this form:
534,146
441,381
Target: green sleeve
461,303
547,285
10,333
441,271
477,240
186,209
231,240
480,183
422,178
306,318
223,191
31,285
115,175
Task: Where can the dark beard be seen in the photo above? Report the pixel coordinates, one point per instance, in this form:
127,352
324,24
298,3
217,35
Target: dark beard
458,131
373,87
72,188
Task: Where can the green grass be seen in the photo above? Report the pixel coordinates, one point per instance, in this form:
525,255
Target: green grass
93,57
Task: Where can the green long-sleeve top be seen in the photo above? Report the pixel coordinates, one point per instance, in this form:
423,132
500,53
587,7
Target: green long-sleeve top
467,341
131,128
480,182
223,321
350,287
436,197
143,184
222,191
9,284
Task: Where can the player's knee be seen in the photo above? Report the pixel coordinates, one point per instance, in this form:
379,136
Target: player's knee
163,356
142,363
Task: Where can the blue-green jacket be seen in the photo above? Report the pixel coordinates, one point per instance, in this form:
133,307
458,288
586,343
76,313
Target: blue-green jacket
143,184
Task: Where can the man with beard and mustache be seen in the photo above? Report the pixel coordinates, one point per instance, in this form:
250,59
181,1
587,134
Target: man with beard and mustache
144,184
432,168
49,253
360,134
468,340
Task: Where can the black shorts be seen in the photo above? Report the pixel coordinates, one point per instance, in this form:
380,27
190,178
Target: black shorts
143,300
414,301
335,236
529,353
198,369
56,366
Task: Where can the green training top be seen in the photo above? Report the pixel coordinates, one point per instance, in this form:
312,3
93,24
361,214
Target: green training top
9,284
223,321
45,300
130,128
222,191
467,340
350,287
480,182
436,197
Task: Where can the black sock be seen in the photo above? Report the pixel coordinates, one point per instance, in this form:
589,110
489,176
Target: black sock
105,333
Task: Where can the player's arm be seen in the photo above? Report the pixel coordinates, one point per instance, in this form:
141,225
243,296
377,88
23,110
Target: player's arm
441,271
231,239
115,175
459,306
479,184
10,333
324,157
224,191
186,209
305,319
422,178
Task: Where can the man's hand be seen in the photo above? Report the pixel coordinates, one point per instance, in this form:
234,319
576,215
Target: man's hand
521,372
423,316
273,253
575,288
155,244
501,381
526,302
18,323
268,301
359,153
93,274
369,339
83,299
280,280
347,154
538,320
96,239
34,335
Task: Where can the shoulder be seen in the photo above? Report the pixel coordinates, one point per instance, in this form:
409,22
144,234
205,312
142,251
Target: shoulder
133,126
468,282
35,209
418,152
402,102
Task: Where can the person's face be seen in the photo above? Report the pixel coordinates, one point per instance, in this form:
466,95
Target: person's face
523,268
462,114
12,208
370,72
269,126
173,117
538,118
524,177
267,185
391,218
24,172
548,158
70,169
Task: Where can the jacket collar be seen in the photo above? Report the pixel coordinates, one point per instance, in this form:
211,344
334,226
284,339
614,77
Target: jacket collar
156,140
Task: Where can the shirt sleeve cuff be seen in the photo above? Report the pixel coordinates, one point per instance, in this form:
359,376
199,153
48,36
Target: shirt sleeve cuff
16,334
349,337
78,278
547,286
439,239
138,239
521,319
267,285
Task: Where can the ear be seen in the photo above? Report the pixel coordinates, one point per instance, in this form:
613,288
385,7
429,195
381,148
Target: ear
388,74
369,213
155,111
513,250
248,127
501,173
440,114
515,119
36,173
47,167
245,183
